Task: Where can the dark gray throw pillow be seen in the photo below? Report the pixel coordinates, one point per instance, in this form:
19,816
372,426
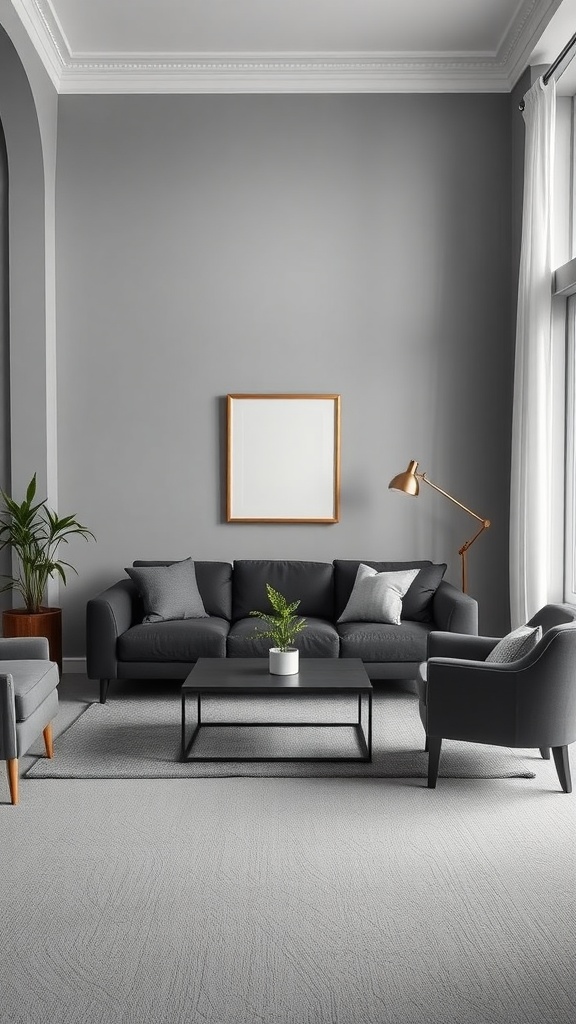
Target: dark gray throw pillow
417,601
169,591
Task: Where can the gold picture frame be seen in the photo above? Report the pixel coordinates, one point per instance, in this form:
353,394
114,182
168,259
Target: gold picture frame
283,458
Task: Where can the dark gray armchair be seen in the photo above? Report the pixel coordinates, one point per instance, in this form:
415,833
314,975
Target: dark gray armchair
525,703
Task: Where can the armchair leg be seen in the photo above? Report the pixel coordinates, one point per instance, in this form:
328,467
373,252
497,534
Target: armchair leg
104,684
12,769
562,763
545,752
48,740
426,745
434,748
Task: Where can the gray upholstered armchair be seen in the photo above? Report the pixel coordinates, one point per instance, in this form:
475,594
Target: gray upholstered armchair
28,700
526,703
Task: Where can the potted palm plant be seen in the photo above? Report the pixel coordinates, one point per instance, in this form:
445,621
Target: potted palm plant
284,627
34,533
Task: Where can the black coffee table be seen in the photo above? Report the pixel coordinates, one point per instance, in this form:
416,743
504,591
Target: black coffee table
250,676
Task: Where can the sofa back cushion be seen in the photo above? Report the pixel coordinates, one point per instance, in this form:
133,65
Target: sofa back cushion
311,583
214,581
345,570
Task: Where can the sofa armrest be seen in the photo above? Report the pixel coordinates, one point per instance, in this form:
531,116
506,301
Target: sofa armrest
460,645
19,648
108,615
454,611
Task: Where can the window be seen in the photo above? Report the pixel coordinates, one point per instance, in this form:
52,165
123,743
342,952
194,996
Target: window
565,323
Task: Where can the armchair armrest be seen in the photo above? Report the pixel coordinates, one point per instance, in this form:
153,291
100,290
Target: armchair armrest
472,700
19,648
460,645
8,745
454,611
108,615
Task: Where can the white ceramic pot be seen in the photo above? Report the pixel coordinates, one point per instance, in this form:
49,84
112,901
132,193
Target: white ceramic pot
283,663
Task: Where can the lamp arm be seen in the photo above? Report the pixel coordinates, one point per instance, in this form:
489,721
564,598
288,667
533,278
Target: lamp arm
464,549
485,522
468,544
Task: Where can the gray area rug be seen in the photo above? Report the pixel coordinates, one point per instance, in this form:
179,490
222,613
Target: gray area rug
138,737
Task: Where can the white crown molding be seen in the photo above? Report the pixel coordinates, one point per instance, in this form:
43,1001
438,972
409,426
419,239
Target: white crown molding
284,73
43,30
523,34
221,73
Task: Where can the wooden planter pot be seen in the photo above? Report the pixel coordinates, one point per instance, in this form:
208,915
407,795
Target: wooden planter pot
47,622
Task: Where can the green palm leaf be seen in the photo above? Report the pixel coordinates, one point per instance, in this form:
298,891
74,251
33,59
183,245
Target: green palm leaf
34,533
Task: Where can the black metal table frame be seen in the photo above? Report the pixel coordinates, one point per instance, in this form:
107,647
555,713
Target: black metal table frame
364,739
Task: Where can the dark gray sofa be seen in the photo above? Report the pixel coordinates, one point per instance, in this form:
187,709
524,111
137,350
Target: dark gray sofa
120,646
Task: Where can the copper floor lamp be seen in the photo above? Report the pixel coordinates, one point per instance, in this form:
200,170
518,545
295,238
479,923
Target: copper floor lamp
408,482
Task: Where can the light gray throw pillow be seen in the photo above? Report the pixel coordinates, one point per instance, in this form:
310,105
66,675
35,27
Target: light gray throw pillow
169,591
377,596
515,645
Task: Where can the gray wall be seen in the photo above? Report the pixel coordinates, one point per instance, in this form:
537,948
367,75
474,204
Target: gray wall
350,244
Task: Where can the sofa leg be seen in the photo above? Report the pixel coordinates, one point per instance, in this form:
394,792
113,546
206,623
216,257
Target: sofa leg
545,752
426,745
48,740
12,769
104,684
434,748
562,763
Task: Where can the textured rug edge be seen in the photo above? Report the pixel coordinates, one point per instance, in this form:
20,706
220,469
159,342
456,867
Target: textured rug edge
49,769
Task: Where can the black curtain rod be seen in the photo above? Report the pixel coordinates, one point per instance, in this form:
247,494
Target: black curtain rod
570,45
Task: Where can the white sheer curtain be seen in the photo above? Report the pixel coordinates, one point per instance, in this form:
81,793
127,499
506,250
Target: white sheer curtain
531,483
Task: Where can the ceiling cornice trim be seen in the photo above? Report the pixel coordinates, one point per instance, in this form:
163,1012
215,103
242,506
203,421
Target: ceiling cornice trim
522,36
299,72
44,32
286,73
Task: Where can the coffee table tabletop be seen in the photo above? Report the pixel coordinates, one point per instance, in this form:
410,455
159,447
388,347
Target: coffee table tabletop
251,676
236,675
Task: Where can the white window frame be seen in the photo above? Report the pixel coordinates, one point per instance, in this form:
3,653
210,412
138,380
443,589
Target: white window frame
570,504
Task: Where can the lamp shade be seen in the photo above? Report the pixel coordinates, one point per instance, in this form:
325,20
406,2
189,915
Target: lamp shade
406,481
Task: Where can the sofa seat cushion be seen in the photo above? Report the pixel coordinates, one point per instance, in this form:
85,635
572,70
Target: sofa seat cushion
377,641
33,680
183,640
318,640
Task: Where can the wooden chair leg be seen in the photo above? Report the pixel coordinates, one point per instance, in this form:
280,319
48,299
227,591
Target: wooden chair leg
562,763
545,752
12,769
434,748
48,740
104,684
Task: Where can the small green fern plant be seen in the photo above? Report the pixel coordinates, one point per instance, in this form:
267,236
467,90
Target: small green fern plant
284,624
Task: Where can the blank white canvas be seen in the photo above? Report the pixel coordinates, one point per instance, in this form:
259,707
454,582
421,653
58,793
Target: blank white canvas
283,458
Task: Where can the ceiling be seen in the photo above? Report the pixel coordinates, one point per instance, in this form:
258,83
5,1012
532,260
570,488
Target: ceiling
286,45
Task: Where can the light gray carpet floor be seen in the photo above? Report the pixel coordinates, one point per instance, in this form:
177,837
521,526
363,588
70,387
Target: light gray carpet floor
288,901
137,735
